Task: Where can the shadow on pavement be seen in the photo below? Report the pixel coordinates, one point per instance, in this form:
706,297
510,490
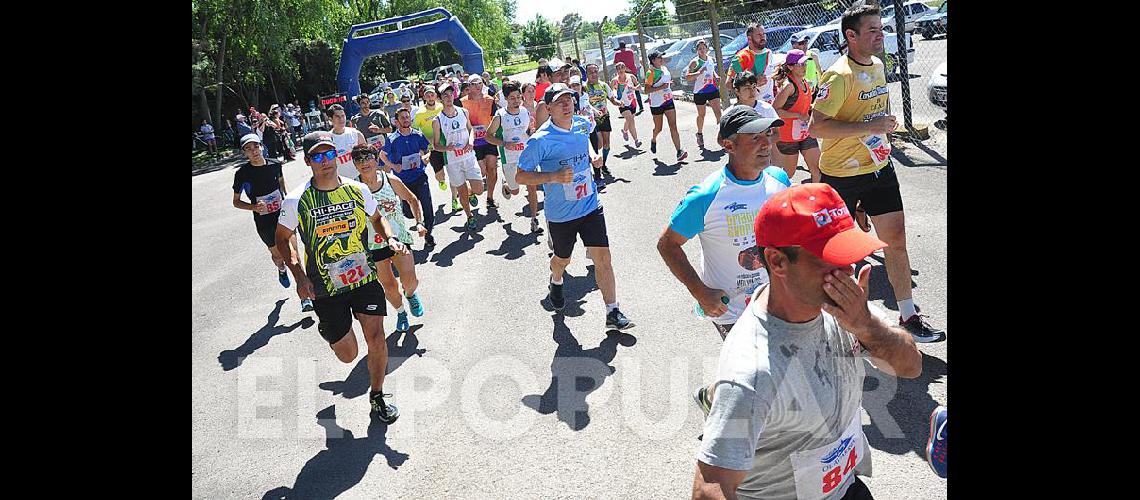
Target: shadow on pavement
712,156
575,373
233,358
629,152
880,284
574,290
358,382
907,161
904,409
663,169
467,240
343,462
229,161
515,243
525,210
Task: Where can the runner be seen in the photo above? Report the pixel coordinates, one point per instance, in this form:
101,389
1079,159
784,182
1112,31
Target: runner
599,92
481,108
623,85
744,84
422,121
344,138
936,443
261,180
509,130
626,57
812,69
457,141
786,419
387,189
371,122
850,117
406,103
758,59
558,157
542,77
406,153
793,103
657,81
702,72
331,213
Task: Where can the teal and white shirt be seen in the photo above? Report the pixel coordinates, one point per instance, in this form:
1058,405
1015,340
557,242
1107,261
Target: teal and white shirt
721,211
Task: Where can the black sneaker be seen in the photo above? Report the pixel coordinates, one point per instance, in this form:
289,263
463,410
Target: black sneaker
653,147
920,330
615,320
606,172
429,240
535,227
384,412
555,297
492,205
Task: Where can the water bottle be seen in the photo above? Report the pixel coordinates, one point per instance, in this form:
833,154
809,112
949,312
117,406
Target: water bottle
700,313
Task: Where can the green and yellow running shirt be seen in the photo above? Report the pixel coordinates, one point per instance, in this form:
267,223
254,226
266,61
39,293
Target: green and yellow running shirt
332,225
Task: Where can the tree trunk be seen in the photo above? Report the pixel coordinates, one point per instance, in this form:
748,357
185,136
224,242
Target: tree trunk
221,61
272,85
205,105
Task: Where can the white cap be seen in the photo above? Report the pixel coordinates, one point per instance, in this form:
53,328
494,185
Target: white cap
474,79
248,138
575,79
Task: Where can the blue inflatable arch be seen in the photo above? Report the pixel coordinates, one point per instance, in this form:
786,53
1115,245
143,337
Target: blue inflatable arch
356,50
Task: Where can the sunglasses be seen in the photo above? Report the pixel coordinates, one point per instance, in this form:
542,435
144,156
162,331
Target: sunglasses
329,155
364,158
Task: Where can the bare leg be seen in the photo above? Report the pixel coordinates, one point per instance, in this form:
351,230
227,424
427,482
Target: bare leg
373,327
558,266
532,199
672,116
811,157
700,118
388,281
604,273
490,166
891,228
463,195
715,105
407,266
345,348
657,126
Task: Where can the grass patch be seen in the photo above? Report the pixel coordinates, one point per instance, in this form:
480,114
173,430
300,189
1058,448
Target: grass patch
934,4
515,69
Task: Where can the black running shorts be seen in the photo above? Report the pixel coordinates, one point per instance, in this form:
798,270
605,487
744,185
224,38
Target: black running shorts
701,98
436,160
591,227
334,314
267,228
603,124
660,110
486,149
879,191
791,148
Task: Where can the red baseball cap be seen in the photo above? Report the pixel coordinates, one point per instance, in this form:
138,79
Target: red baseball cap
815,217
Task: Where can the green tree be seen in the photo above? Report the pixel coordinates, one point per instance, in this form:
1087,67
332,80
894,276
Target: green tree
538,37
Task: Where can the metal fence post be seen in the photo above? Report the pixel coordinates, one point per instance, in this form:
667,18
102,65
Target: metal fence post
641,44
724,98
602,50
577,53
904,73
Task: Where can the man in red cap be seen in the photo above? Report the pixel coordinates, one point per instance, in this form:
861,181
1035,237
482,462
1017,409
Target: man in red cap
785,421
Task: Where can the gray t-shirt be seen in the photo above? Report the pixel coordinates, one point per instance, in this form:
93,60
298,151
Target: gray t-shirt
361,122
787,407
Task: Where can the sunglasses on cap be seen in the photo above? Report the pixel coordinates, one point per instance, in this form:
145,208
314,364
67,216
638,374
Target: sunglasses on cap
364,158
329,155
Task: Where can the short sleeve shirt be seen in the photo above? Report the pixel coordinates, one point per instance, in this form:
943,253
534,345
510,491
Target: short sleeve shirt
551,149
851,92
407,151
260,184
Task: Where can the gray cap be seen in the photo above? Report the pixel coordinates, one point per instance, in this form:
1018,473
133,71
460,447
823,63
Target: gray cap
741,119
555,91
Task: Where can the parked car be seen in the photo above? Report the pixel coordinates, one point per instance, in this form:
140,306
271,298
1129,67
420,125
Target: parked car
828,17
826,39
730,28
933,23
681,53
776,37
651,44
936,86
376,97
430,76
913,10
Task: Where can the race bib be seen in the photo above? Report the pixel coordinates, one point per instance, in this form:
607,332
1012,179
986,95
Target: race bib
460,153
349,270
480,132
517,145
272,202
879,148
376,141
820,471
581,187
411,162
799,129
667,95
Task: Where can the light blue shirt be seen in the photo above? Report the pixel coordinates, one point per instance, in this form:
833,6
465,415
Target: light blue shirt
551,149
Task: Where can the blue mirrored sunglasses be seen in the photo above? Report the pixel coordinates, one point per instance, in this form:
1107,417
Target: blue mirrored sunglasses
329,155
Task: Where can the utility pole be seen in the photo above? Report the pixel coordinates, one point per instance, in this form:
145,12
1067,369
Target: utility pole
602,49
577,52
719,58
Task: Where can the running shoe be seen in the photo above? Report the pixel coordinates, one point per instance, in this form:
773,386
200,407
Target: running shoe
429,240
491,204
681,155
615,320
637,144
936,444
506,191
606,171
653,147
283,278
455,206
625,135
402,322
473,200
701,141
471,223
306,305
700,396
920,330
443,185
556,298
385,412
535,227
415,305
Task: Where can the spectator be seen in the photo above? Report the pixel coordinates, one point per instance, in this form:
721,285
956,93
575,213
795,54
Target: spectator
243,128
208,136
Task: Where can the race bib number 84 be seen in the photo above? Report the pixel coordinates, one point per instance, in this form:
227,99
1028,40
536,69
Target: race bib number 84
820,471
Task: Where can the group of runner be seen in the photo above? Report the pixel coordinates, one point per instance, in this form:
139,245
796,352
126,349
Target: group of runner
777,268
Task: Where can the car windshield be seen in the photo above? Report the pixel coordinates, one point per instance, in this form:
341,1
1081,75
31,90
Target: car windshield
942,8
888,12
736,44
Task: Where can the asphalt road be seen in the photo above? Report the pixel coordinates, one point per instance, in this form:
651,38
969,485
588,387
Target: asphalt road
500,397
